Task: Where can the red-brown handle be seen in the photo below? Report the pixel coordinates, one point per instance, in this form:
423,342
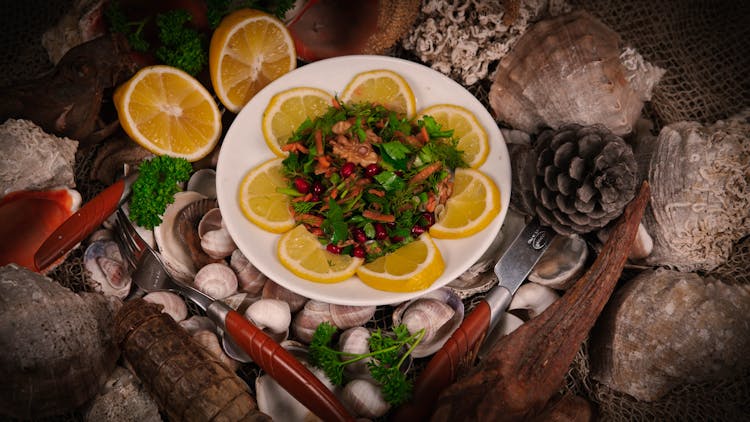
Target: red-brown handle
286,369
79,225
456,355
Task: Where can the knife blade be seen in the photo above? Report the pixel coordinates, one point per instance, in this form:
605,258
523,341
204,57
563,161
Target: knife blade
460,351
83,222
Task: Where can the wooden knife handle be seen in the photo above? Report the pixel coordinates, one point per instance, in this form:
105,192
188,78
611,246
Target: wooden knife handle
289,372
456,355
79,225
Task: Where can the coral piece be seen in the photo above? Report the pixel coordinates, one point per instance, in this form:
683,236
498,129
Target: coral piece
462,38
57,346
700,203
31,159
571,69
666,328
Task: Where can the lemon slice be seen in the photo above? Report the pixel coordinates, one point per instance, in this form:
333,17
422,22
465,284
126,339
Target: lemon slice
474,204
384,87
168,112
472,138
409,268
248,50
287,110
302,253
261,203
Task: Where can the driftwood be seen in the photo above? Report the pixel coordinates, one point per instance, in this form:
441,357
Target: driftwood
526,368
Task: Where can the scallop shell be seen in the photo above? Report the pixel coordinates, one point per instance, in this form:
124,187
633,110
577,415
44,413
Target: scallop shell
187,223
700,199
272,316
666,328
364,398
215,238
307,320
571,69
106,271
250,279
272,290
172,304
216,280
439,313
175,252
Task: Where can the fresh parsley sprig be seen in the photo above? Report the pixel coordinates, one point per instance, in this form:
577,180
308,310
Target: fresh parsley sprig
388,352
158,180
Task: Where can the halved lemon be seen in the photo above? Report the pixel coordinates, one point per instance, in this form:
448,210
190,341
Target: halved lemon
384,87
302,253
167,111
287,110
472,138
248,50
474,204
412,267
261,203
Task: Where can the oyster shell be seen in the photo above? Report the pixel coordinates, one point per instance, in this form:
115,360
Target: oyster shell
562,263
666,328
571,69
174,252
700,196
106,271
439,313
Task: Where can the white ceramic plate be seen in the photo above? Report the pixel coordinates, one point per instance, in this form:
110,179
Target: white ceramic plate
244,148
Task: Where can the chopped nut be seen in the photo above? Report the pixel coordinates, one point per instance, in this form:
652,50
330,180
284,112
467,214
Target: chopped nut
340,128
353,151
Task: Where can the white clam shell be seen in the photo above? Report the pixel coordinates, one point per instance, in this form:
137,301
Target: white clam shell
210,341
364,398
216,280
106,271
307,320
250,279
173,305
439,313
534,298
345,316
355,340
272,290
215,238
174,252
272,316
562,263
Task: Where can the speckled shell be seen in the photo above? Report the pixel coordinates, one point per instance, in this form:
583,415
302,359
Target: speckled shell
666,328
57,346
700,196
569,69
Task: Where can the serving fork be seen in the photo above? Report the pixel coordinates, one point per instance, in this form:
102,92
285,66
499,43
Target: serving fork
151,275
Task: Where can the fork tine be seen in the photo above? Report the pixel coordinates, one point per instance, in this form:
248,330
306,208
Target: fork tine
139,244
126,248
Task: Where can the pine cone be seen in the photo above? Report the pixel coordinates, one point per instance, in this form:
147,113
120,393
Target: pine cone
585,175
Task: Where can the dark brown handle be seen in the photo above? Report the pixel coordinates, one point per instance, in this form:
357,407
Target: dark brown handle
79,225
456,355
286,369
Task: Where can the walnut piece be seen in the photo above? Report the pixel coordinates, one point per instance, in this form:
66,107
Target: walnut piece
353,151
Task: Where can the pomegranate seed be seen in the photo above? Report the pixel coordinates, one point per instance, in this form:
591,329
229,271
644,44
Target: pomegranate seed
396,239
380,232
302,185
417,230
429,218
359,235
358,252
347,170
333,248
372,170
317,188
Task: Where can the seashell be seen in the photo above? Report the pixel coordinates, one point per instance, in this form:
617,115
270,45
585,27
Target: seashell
215,238
122,398
273,290
355,340
101,234
187,221
364,398
48,333
250,279
203,181
665,328
172,304
345,316
197,323
534,298
239,301
307,320
272,316
439,313
507,324
700,201
106,271
571,69
27,218
562,263
113,155
216,280
210,341
642,245
174,252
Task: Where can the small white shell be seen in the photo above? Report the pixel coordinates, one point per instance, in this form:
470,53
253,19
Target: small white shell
272,290
355,340
250,279
534,298
203,181
364,398
174,252
272,316
308,319
439,313
171,302
345,316
216,280
215,238
106,271
239,301
210,342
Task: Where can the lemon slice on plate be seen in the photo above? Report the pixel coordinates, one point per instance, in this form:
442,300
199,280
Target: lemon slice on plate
302,253
414,266
261,203
474,204
384,87
472,138
287,110
248,50
168,112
